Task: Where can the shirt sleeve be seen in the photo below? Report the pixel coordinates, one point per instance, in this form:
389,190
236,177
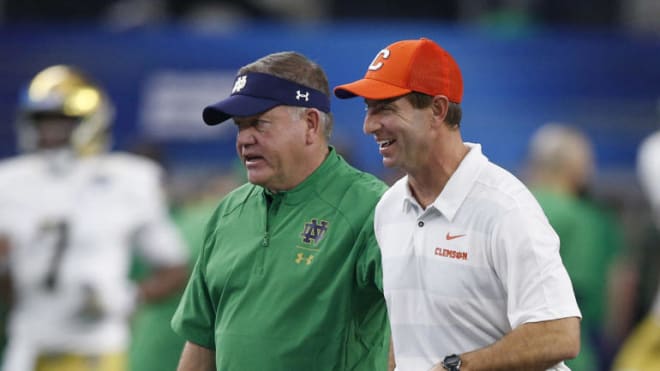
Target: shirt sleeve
5,218
194,318
369,263
526,258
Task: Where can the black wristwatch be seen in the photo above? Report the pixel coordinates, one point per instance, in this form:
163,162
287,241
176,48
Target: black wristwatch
452,363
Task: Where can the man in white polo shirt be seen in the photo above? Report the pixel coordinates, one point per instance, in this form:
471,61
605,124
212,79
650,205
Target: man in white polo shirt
471,267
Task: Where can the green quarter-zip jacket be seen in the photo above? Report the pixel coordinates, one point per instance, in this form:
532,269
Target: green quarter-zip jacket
292,280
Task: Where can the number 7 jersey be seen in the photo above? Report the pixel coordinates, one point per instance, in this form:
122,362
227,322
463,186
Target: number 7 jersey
72,235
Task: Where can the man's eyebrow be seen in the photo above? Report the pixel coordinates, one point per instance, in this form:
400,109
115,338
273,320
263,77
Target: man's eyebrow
247,120
381,105
380,102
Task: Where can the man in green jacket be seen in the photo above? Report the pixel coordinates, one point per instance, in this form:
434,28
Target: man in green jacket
289,276
561,165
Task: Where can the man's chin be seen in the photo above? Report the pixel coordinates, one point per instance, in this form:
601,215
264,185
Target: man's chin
389,162
257,178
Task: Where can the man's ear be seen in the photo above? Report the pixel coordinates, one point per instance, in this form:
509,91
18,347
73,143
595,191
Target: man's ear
312,119
440,107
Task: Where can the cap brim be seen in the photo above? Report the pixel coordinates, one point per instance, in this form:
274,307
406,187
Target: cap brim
236,105
370,89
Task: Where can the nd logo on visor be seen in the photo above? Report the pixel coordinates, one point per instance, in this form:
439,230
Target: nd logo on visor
239,84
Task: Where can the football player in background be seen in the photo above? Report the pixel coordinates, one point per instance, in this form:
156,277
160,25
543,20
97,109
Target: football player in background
641,349
561,173
71,214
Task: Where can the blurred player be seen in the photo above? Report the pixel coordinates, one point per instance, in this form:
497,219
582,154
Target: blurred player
641,350
561,165
70,216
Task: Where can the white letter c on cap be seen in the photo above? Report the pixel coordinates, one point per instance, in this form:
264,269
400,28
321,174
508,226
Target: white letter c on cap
376,66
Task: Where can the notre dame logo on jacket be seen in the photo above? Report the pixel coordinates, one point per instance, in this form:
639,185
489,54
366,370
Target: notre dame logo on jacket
311,236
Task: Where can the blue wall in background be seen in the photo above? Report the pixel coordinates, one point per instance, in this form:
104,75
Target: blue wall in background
606,83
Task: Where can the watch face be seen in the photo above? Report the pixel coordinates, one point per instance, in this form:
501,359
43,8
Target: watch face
452,362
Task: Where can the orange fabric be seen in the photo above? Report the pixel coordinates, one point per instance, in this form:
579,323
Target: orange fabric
406,66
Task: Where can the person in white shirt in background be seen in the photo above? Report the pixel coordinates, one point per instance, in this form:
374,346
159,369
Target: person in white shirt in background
639,352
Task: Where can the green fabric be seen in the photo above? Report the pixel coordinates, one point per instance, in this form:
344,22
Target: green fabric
294,283
591,238
154,346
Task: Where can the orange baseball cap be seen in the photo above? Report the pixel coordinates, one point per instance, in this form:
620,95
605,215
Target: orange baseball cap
406,66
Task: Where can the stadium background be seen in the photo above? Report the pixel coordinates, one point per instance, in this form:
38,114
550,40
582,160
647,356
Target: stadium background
520,69
590,63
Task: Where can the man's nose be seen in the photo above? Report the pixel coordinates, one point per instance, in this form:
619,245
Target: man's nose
371,124
245,136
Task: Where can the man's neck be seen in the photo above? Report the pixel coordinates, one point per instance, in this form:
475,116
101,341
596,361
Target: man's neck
427,182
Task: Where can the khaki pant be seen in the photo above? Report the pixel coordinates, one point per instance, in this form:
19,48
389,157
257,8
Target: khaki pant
77,362
641,351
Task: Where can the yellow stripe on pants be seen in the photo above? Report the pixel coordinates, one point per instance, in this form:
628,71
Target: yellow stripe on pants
79,362
641,351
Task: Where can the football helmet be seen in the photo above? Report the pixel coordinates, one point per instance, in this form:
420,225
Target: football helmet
64,91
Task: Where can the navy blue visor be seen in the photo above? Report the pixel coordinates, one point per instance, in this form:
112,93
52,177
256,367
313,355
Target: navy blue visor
254,93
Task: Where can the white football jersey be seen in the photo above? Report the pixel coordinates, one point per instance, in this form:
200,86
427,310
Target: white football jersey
648,171
72,235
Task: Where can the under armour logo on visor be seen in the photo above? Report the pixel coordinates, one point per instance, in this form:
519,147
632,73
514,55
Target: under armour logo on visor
301,95
239,84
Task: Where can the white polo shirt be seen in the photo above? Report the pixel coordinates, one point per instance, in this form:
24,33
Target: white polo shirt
478,262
